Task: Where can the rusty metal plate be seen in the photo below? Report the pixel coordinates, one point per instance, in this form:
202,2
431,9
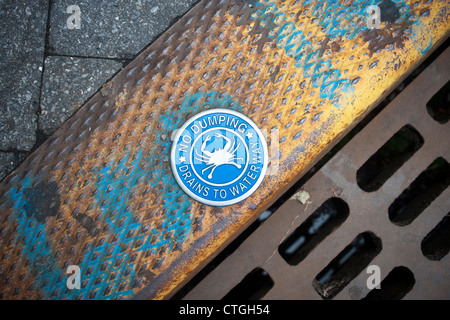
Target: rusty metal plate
99,194
367,212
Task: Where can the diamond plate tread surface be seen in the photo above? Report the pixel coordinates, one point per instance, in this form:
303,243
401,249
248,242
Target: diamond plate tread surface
100,194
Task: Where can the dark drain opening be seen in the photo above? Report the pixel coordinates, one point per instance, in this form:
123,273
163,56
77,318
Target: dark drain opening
421,193
395,286
322,222
347,265
388,159
436,244
439,105
254,286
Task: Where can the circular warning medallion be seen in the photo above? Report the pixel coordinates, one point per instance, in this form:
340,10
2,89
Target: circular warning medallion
219,157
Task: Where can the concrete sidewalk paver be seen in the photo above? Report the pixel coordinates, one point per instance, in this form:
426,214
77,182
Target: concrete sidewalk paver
22,34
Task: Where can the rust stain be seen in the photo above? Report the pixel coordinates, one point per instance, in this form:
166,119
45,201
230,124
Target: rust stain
324,45
380,39
274,74
244,18
335,47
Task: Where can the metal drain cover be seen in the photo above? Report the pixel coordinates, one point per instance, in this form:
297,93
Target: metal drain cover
303,71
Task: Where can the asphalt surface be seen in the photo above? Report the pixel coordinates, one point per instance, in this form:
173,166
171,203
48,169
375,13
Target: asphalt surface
53,58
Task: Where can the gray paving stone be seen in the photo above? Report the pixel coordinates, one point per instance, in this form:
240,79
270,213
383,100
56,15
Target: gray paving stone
116,29
9,161
69,82
22,33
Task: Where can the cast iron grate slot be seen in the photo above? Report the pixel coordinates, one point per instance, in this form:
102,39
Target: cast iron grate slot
347,265
254,286
395,286
322,222
421,193
439,105
388,159
436,244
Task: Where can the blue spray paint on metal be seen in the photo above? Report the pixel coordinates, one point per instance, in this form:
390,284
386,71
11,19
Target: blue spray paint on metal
48,273
177,222
116,182
32,237
336,20
114,186
305,52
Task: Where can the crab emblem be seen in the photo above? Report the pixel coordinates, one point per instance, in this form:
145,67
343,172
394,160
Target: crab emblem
220,156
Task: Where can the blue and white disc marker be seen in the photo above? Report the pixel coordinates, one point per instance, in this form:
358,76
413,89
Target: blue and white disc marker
219,157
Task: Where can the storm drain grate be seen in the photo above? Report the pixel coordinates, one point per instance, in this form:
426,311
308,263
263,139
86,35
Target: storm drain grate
381,202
